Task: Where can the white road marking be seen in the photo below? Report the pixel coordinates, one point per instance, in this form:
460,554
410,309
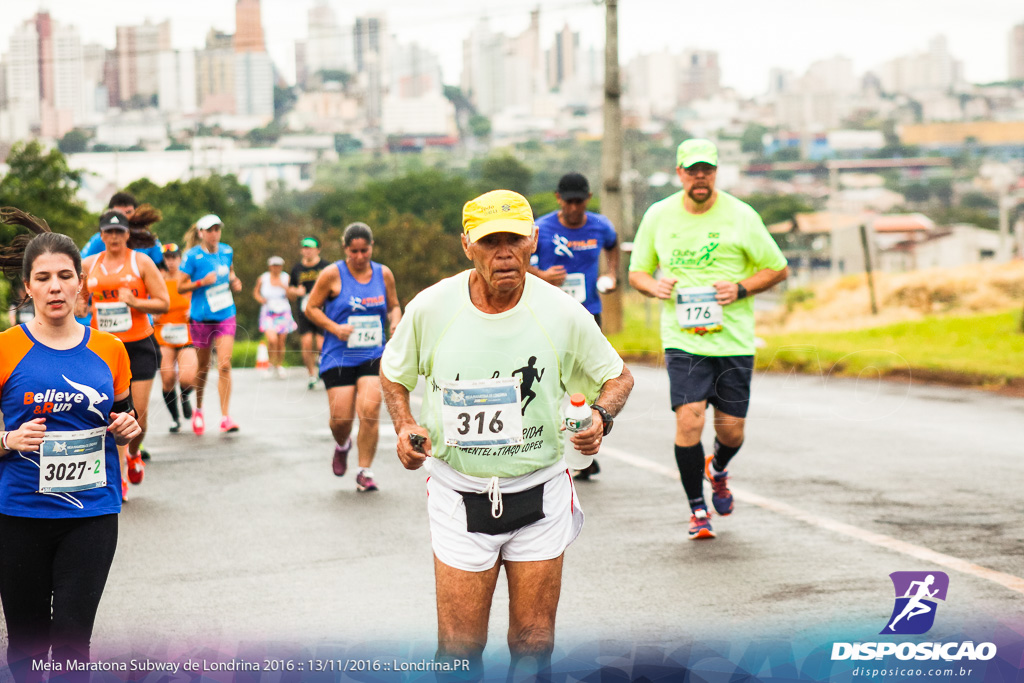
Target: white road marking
1014,583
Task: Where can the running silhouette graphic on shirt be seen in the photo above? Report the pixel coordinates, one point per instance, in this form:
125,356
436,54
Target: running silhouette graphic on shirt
562,246
916,595
91,394
530,375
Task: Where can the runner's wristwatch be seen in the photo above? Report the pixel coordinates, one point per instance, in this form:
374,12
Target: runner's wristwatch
605,417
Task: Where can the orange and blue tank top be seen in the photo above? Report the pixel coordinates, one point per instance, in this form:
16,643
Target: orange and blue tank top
74,390
109,314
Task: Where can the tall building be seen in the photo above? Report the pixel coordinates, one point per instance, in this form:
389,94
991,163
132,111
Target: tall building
415,103
415,71
248,27
43,78
94,80
67,104
254,85
301,64
1017,52
930,71
137,50
483,61
329,47
372,66
501,72
254,72
700,75
177,82
23,79
563,58
652,86
215,74
370,39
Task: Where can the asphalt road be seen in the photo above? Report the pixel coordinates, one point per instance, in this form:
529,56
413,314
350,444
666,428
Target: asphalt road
247,541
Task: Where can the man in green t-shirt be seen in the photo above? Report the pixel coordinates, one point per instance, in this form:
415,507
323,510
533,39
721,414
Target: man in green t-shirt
499,349
713,253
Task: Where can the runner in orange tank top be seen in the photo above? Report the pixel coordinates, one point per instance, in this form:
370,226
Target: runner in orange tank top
178,360
126,288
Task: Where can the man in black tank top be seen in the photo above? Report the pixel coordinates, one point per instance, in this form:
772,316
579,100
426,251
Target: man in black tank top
303,276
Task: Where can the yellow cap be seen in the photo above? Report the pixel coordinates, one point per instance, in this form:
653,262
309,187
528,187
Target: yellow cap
497,211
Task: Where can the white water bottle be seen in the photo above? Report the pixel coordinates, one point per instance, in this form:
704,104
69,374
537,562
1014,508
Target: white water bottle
578,417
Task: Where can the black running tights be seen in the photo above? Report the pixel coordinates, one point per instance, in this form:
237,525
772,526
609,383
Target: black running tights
52,563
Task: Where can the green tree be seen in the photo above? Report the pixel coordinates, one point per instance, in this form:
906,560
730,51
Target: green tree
428,194
506,173
345,143
978,200
73,142
775,208
436,253
455,95
917,193
265,136
40,182
183,202
545,202
284,101
751,141
479,126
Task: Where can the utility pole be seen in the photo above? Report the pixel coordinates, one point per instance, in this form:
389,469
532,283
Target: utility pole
611,157
865,245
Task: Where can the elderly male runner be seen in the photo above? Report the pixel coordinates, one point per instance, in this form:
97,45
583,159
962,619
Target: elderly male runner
714,253
499,491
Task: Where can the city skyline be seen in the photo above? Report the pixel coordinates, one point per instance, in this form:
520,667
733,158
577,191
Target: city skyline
747,50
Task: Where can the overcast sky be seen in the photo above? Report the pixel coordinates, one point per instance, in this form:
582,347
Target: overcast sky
751,36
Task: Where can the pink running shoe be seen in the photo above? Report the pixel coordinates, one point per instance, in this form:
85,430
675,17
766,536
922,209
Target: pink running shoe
228,426
340,462
198,423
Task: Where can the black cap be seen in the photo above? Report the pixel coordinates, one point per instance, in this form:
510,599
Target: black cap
113,220
573,186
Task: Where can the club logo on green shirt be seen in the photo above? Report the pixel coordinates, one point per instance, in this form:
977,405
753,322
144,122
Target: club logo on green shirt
694,259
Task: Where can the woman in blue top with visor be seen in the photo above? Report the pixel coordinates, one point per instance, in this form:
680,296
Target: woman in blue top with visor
353,301
66,402
208,272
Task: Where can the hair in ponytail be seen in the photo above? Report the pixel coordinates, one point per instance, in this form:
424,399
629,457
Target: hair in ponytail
139,234
191,237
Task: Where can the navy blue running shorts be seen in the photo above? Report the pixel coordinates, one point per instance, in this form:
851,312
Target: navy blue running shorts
722,381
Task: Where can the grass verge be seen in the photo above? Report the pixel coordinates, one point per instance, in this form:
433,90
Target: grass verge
976,349
983,349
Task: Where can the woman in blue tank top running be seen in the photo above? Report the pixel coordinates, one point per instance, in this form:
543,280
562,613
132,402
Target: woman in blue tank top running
353,301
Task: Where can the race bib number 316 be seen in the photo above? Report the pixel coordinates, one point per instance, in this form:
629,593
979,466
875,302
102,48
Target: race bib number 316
482,412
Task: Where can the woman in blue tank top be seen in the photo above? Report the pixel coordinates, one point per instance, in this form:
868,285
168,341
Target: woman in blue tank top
354,300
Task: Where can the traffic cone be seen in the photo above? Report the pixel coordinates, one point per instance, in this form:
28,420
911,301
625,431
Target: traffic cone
262,357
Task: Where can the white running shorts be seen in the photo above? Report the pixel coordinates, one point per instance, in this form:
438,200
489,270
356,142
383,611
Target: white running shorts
545,539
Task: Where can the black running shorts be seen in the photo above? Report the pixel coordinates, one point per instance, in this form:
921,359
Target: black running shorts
347,377
144,357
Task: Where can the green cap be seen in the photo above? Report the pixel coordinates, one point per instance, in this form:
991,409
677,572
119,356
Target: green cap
311,242
696,151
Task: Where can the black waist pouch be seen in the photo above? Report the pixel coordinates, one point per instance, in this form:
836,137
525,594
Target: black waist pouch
517,510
